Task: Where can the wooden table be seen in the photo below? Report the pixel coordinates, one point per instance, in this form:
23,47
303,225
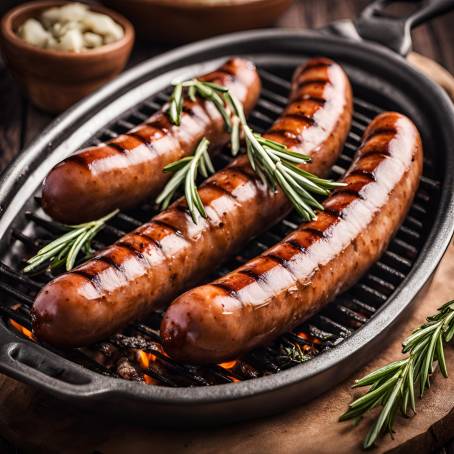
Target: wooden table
20,123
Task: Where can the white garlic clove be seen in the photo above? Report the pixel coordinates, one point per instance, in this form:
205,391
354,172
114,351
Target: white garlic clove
50,16
92,40
73,12
33,33
72,40
103,25
52,43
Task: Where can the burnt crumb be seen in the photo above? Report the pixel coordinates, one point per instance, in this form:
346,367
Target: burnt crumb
127,371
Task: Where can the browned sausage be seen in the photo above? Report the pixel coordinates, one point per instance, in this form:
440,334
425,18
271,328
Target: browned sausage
150,266
127,170
291,281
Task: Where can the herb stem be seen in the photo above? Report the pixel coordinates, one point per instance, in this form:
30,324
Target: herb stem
393,386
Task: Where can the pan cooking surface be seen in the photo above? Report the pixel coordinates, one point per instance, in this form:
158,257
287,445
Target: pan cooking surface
136,353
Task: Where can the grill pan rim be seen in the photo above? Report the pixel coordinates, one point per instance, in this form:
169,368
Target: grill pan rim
429,257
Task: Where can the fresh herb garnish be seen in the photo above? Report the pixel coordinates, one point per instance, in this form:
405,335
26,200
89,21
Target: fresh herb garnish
273,162
185,172
394,386
65,249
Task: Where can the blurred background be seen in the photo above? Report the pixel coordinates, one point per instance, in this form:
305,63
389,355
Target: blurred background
163,24
162,27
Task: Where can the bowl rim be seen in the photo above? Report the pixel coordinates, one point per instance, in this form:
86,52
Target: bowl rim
205,4
9,35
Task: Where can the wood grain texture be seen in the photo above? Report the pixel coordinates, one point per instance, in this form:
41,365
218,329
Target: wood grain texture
11,115
40,424
35,422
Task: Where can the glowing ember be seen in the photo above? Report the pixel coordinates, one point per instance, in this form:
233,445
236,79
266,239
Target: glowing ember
144,358
26,332
308,338
149,380
228,365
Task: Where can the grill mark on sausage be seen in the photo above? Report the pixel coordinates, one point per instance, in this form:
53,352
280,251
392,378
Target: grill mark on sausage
348,191
227,289
158,124
380,131
116,146
374,152
305,83
295,245
150,239
77,159
91,277
307,97
138,137
315,231
226,69
188,110
109,261
363,173
314,65
147,143
168,226
131,249
301,117
282,262
286,134
214,185
241,171
333,212
182,209
251,274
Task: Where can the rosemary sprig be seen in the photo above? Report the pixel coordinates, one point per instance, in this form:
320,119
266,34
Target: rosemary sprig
273,162
185,172
394,386
65,249
292,354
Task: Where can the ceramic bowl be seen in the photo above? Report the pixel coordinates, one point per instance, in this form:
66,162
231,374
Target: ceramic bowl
54,80
177,21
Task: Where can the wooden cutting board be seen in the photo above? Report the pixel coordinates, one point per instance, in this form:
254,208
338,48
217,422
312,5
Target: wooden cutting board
35,422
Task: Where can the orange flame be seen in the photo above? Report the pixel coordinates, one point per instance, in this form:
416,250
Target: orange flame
149,380
26,332
228,364
145,358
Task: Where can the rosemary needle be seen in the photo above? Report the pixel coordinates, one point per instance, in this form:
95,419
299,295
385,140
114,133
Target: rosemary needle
393,386
185,173
65,249
273,162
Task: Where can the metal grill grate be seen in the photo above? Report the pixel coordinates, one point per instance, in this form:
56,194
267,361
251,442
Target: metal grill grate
136,354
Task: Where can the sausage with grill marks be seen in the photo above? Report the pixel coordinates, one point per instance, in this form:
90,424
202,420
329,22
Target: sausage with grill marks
127,170
290,282
151,265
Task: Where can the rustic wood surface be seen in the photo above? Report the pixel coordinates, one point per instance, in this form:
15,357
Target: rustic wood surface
40,424
34,422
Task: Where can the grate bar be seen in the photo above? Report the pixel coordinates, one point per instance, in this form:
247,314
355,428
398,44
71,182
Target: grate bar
119,355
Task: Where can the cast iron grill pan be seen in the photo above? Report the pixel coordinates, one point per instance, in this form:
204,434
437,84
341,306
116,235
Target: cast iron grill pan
131,366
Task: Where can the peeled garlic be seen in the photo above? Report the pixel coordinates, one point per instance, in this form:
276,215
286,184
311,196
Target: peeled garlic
33,33
72,40
72,27
103,25
92,40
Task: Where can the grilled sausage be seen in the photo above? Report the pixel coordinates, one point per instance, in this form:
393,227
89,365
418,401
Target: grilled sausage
291,281
127,170
148,267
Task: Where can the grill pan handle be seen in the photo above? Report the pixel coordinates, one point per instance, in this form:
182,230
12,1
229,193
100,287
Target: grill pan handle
395,32
31,364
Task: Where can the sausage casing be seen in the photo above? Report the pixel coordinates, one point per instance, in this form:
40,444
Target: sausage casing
127,170
151,265
291,281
